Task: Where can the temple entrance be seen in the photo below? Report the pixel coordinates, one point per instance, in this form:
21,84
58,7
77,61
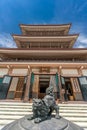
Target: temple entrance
39,84
43,85
68,90
72,91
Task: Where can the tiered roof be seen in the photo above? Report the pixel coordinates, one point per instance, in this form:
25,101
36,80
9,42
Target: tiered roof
45,30
45,36
44,42
23,41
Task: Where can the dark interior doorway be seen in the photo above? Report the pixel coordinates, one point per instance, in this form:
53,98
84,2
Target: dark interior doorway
43,85
68,90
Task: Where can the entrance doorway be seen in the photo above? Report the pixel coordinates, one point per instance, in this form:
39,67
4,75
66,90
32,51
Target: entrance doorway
43,85
72,89
68,90
41,82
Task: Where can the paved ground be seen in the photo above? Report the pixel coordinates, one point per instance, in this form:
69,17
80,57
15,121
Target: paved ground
1,127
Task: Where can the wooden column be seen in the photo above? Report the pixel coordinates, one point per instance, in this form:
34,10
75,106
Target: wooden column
60,85
80,70
9,69
26,95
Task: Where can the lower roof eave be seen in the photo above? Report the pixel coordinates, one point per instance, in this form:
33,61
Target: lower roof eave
42,64
17,53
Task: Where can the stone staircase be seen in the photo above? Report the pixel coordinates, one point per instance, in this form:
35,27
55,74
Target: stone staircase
10,111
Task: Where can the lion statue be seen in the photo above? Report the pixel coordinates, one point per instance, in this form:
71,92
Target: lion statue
43,108
40,111
50,102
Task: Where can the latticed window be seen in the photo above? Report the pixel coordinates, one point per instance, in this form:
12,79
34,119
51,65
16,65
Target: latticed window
7,79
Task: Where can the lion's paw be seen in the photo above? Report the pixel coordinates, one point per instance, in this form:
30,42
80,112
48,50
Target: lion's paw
57,116
30,117
37,120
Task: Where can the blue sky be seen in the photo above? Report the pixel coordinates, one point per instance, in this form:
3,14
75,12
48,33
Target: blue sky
14,12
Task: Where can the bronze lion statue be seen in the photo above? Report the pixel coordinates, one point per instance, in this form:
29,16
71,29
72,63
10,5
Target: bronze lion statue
40,111
43,108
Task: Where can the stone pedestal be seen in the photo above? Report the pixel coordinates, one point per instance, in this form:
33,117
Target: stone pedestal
49,124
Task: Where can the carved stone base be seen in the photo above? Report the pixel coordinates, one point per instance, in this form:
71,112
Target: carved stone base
49,124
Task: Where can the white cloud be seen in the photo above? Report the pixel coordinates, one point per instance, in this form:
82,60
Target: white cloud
81,42
7,41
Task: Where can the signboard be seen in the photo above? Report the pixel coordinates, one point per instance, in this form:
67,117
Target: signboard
3,71
20,72
69,72
84,72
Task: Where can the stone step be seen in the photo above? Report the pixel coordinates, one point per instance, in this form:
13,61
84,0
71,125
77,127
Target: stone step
29,104
15,103
63,115
77,111
10,111
71,118
73,115
11,117
81,124
21,111
73,108
30,108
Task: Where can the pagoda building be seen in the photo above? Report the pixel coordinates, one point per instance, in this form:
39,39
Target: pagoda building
44,56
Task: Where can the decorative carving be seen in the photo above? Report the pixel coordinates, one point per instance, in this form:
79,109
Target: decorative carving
45,69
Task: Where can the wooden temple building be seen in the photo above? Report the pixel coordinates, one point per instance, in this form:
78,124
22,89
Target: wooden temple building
44,56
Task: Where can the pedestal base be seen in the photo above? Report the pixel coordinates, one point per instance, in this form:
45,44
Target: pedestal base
49,124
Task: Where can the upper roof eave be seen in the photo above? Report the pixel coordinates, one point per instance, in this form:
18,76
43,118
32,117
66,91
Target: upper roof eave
17,35
59,49
70,37
24,27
